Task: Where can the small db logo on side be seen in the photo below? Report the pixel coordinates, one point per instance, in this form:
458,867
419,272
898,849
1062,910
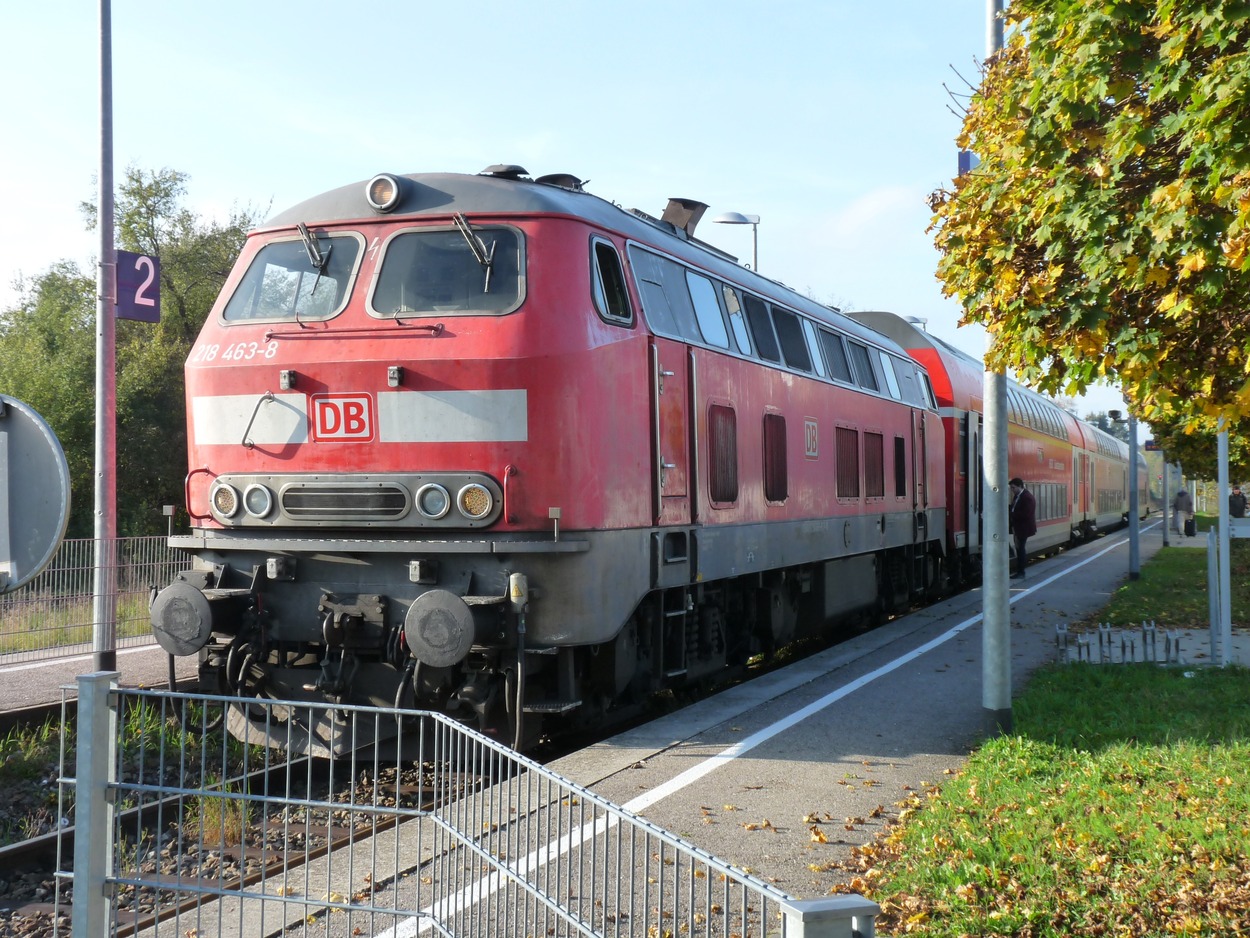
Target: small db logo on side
342,417
811,442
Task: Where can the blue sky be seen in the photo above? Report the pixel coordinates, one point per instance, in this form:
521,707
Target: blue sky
830,119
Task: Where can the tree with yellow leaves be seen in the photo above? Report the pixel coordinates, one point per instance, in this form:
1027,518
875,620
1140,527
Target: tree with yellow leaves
1106,232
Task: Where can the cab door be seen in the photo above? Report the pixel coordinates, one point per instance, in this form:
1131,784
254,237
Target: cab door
670,415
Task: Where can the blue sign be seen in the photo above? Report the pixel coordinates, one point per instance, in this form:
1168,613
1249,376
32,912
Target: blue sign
138,287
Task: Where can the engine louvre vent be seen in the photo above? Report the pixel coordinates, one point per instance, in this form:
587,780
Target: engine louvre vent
313,501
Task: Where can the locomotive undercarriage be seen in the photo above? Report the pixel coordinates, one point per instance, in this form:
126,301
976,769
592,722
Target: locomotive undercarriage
477,639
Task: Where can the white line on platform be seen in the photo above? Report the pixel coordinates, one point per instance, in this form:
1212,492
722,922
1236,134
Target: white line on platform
491,884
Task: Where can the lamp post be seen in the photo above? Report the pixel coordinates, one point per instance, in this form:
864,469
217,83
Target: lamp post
1134,555
737,218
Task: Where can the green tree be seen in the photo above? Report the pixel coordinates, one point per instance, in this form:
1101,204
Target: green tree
1106,232
47,349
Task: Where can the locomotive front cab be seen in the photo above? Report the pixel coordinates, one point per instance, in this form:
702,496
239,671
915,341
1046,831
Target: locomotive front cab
375,508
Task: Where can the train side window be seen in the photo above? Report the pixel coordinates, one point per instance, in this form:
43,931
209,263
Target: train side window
722,432
891,381
900,467
707,310
874,465
813,348
733,306
835,356
928,386
864,375
611,297
906,373
775,470
848,462
665,296
282,283
790,335
762,329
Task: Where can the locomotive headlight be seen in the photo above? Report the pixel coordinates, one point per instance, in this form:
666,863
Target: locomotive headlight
225,500
258,500
475,501
433,501
383,192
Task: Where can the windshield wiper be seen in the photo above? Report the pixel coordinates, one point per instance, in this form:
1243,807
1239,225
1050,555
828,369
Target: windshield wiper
316,256
485,256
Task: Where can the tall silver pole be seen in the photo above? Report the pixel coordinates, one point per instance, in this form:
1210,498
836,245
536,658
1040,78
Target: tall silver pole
1167,504
104,602
1225,565
996,608
1134,524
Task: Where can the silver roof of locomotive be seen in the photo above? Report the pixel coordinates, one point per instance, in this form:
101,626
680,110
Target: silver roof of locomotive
507,190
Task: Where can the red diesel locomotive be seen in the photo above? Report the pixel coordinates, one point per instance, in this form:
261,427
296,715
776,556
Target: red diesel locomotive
494,446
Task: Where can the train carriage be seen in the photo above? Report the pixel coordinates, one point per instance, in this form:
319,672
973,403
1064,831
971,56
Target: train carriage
495,446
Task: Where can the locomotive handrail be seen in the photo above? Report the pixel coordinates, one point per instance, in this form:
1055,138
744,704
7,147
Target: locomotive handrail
186,492
434,328
246,441
508,472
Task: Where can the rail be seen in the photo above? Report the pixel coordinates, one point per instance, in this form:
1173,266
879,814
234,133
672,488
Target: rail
448,833
52,615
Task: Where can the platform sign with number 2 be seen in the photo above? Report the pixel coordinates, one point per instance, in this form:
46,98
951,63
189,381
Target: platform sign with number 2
138,287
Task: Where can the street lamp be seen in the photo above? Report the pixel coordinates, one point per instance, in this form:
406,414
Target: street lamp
737,218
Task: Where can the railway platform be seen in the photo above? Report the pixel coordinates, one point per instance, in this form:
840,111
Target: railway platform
784,776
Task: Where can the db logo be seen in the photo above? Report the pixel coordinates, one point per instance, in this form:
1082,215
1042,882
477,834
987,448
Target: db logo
342,417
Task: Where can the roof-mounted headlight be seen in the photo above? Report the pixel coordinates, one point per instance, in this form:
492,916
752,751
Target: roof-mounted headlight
383,192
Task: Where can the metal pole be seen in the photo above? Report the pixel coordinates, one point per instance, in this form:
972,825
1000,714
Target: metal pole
1134,522
1167,471
104,601
1226,582
94,809
996,608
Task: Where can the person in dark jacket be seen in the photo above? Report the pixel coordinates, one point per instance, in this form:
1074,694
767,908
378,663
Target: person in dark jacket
1021,521
1237,503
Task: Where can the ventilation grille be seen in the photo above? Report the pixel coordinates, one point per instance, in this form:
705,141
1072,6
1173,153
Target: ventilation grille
314,502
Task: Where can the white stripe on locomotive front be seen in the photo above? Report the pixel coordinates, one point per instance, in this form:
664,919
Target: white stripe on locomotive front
403,417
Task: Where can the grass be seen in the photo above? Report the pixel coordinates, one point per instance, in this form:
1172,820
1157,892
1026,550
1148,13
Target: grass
1117,807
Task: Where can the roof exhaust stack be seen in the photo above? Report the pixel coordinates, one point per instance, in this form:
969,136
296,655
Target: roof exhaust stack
684,214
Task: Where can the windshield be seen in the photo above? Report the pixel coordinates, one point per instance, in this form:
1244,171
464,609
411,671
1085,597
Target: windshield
438,271
283,282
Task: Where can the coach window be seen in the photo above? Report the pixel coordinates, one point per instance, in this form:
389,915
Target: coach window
891,382
611,297
762,329
835,356
438,272
737,322
776,483
863,367
282,281
790,335
813,348
707,310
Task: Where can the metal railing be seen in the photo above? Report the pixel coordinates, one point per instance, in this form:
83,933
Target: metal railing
438,830
52,614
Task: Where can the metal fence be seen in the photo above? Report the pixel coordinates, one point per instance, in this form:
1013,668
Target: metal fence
438,830
52,614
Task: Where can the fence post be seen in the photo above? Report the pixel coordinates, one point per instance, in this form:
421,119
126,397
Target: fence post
832,917
94,808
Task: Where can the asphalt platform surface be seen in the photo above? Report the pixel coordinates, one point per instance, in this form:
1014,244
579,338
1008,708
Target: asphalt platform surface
828,747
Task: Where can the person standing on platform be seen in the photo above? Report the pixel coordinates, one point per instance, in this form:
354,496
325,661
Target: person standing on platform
1237,503
1021,521
1183,506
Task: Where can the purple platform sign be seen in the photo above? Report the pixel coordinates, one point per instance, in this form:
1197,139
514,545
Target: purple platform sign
138,287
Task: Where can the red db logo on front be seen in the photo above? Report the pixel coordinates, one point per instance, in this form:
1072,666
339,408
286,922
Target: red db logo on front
342,417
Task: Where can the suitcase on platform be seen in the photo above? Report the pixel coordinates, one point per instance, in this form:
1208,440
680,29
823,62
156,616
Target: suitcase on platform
1191,527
